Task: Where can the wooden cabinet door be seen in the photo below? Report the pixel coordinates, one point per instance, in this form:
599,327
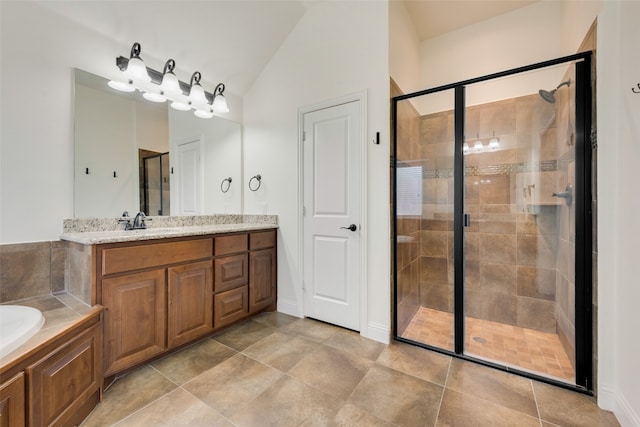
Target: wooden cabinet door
230,306
190,302
62,382
12,409
135,317
262,279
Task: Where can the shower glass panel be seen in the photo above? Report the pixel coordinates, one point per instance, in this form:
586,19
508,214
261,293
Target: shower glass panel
492,220
519,157
424,220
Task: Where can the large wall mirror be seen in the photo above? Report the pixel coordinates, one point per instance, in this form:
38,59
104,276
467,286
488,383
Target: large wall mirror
135,155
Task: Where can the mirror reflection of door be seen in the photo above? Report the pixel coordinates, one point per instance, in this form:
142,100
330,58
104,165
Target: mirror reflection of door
188,176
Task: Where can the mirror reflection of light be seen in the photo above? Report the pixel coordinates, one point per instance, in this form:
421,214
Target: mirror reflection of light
121,86
153,97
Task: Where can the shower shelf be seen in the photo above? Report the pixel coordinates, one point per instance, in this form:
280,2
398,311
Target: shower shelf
534,208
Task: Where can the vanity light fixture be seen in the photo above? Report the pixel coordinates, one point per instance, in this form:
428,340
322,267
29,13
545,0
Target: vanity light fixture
219,104
136,70
494,142
196,93
159,87
479,146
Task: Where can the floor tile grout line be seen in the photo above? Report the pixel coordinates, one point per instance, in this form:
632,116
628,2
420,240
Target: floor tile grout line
535,399
205,403
444,389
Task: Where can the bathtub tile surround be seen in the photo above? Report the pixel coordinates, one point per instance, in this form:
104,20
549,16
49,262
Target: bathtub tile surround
31,269
328,382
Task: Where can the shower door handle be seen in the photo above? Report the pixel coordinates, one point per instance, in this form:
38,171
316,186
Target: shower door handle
466,219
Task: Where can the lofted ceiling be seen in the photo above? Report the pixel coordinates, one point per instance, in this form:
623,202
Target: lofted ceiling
432,18
232,40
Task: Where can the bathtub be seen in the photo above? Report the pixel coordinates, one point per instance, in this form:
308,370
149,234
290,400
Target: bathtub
17,324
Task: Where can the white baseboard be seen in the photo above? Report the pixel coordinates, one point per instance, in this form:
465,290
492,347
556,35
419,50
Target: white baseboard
606,397
625,413
377,332
289,307
611,400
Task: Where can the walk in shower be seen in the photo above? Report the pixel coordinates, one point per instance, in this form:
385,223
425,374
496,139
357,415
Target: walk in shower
492,217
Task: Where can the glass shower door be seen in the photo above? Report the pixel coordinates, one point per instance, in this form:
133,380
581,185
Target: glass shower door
424,220
493,220
519,157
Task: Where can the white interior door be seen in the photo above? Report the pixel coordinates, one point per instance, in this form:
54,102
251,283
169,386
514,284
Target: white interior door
332,138
189,178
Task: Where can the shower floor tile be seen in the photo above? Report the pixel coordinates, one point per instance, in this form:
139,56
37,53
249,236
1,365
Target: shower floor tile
527,349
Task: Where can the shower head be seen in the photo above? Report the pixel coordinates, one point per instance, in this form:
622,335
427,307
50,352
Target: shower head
550,95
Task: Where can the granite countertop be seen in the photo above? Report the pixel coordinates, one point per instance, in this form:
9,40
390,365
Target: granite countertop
91,231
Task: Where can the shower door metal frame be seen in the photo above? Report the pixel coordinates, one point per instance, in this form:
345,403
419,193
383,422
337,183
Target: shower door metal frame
145,207
583,220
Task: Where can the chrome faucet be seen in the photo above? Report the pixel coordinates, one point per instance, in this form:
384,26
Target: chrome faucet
138,222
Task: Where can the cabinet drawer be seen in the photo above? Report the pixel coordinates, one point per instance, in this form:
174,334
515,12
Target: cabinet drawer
230,244
230,306
230,272
263,239
117,260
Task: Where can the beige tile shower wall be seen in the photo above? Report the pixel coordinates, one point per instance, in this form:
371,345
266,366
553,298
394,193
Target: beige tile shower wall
512,244
407,227
31,269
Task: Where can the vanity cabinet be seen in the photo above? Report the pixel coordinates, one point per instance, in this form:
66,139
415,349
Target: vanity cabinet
161,294
157,295
262,270
12,409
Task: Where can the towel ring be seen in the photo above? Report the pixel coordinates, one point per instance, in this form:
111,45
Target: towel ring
259,178
228,181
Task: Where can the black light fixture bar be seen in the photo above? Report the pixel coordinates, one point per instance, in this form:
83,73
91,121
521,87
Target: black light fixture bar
156,77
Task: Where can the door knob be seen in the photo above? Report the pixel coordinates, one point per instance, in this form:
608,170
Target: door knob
352,227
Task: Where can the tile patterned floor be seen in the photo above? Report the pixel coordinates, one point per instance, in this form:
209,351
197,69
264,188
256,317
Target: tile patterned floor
277,370
529,350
